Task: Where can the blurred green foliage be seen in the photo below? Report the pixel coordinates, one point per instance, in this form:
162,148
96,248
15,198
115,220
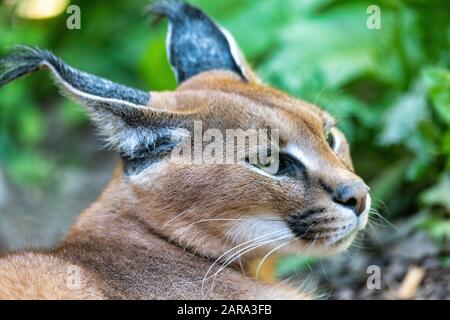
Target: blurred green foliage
389,88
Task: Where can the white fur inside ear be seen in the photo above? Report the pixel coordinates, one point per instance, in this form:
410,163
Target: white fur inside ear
236,53
125,140
116,133
168,45
130,141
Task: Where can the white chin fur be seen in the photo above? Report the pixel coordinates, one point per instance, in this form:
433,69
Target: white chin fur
271,231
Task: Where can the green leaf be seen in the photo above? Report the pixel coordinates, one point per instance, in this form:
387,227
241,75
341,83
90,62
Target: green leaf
290,264
31,125
71,114
439,194
437,81
440,229
388,181
403,118
154,68
29,167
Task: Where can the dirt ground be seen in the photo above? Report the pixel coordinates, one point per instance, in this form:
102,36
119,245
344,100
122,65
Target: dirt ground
40,216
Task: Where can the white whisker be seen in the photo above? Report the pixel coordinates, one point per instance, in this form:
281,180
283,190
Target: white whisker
276,233
243,251
269,253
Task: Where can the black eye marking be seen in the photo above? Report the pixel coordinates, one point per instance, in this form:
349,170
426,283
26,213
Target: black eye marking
287,166
147,156
290,166
329,136
326,187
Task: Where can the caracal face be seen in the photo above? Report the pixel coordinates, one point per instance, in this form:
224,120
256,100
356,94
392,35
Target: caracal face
301,194
306,198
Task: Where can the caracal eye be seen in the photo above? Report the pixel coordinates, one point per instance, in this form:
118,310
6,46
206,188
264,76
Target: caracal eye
270,165
329,136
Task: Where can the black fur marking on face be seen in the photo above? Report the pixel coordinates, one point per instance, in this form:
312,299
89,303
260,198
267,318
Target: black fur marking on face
160,146
326,187
305,224
292,167
195,43
147,157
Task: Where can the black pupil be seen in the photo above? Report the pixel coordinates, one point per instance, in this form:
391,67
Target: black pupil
330,139
287,165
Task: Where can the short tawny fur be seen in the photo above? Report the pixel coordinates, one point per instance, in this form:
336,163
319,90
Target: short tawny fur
122,243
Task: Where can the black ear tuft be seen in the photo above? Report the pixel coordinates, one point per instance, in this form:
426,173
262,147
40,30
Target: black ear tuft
124,115
195,43
120,112
23,60
20,62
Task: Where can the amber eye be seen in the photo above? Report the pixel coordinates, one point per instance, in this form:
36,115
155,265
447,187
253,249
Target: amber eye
329,136
271,166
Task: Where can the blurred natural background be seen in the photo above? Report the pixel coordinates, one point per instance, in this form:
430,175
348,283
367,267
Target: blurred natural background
389,88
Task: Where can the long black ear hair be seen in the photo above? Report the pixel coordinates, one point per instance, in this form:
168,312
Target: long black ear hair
195,43
22,60
123,114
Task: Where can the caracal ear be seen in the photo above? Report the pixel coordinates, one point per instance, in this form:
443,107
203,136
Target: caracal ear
197,44
124,115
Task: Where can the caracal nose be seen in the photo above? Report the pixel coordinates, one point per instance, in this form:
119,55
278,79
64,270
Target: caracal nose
352,196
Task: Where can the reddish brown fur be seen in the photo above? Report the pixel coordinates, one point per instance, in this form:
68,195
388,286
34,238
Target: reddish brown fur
128,243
